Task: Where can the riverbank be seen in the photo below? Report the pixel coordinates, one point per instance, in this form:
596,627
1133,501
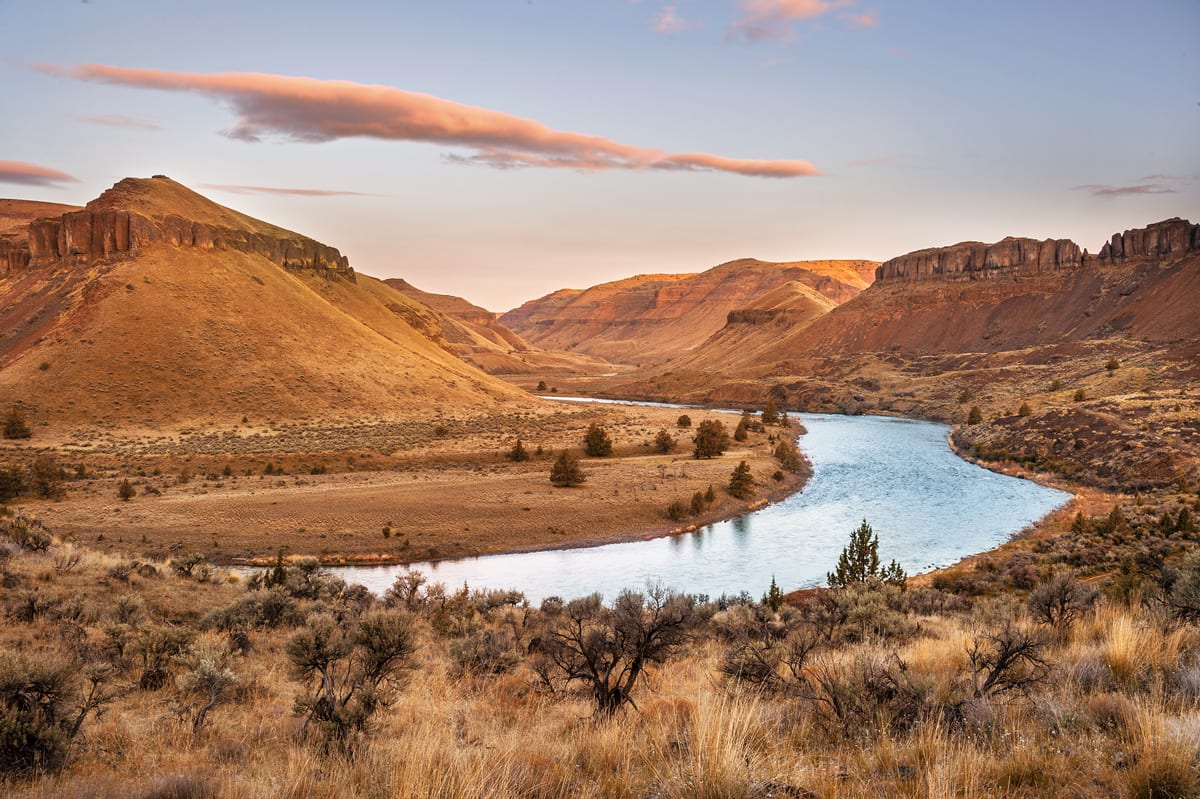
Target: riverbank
456,495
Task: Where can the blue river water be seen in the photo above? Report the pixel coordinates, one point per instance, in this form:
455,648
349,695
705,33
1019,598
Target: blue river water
929,508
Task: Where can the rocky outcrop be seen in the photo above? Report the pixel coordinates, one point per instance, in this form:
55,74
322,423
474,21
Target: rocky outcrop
95,235
14,254
972,260
1170,237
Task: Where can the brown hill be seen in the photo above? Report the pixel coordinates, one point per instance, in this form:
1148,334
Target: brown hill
476,335
649,318
155,305
998,323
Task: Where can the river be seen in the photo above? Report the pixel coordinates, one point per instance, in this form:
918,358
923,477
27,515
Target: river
929,508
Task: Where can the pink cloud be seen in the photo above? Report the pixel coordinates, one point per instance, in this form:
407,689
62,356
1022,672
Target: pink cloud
119,121
774,19
866,19
311,110
237,189
668,20
1103,190
32,175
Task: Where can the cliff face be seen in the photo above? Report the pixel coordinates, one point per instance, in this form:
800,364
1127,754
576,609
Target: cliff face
94,235
972,260
136,213
1170,237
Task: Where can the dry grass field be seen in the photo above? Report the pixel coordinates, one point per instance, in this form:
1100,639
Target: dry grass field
394,492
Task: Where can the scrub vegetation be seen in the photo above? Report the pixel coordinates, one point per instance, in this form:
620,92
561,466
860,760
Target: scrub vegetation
1037,674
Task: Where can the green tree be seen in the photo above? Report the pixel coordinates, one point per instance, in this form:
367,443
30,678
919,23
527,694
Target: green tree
15,425
596,441
774,596
664,442
711,439
566,472
859,562
975,416
770,413
741,482
788,456
518,453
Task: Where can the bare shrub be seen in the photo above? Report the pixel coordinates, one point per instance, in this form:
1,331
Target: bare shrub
608,648
1009,659
1061,599
347,672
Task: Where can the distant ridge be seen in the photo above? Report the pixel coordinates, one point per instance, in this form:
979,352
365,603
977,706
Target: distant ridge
650,318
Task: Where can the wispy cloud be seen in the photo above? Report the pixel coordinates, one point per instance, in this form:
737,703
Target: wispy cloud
119,121
864,19
1105,190
238,189
776,19
311,110
669,20
32,174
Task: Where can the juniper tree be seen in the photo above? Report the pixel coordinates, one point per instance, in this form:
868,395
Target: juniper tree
859,562
566,472
711,439
741,482
596,442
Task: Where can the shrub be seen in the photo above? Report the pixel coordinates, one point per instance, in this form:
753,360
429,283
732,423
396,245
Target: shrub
13,482
518,453
15,425
698,503
1080,395
1112,365
975,416
1059,600
490,651
28,533
684,421
596,441
566,471
677,511
208,679
664,442
35,703
346,673
607,648
710,440
46,477
1024,410
741,481
740,433
126,491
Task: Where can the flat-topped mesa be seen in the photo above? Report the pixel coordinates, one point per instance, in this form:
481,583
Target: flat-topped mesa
1173,236
972,260
104,230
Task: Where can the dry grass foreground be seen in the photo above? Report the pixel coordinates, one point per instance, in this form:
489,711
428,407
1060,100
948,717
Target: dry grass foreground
901,694
451,493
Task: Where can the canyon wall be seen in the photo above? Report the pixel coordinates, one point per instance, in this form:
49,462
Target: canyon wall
972,260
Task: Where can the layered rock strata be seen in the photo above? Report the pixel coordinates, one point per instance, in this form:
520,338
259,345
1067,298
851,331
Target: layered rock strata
94,235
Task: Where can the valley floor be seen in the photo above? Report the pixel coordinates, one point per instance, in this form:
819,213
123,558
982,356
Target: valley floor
454,495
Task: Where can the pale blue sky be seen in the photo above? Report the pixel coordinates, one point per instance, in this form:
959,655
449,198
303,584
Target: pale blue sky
931,122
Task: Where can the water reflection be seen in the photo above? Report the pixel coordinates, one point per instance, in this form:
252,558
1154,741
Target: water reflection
929,508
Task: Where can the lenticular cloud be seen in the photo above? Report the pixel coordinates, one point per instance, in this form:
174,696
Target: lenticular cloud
311,110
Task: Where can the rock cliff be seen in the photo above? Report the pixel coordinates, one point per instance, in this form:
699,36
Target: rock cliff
972,260
1173,236
132,215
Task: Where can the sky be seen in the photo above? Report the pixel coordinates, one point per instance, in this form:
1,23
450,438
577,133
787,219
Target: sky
500,150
